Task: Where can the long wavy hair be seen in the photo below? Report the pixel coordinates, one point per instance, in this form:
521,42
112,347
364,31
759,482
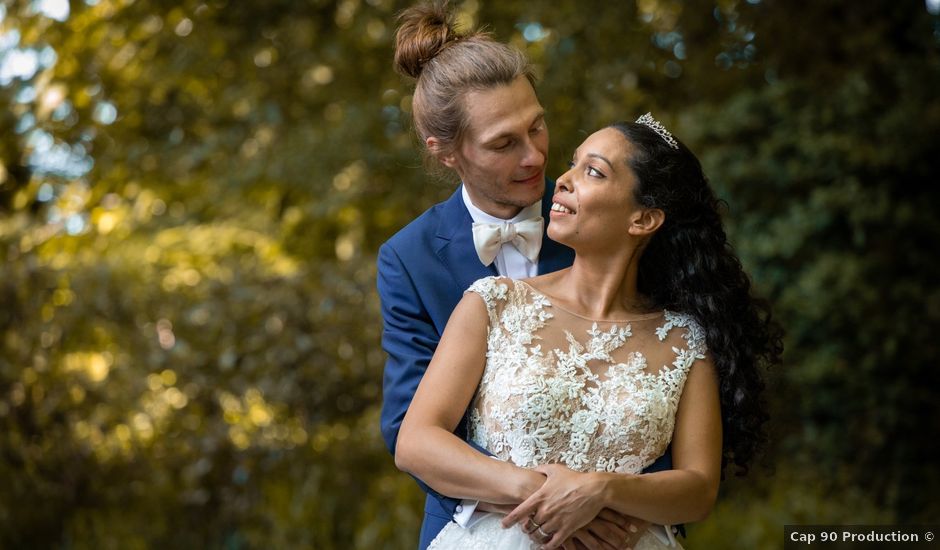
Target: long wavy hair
688,266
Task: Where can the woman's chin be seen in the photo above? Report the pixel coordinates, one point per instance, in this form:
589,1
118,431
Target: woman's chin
556,236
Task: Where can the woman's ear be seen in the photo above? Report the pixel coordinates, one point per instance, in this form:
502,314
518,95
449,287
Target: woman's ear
437,151
646,221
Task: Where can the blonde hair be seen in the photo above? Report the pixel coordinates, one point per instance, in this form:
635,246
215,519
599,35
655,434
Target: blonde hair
447,66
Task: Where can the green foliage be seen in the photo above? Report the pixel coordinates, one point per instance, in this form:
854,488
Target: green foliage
190,334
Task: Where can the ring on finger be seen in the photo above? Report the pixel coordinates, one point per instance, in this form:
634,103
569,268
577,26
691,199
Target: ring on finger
543,533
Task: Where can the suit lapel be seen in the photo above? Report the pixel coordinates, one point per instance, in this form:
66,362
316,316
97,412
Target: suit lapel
454,242
455,248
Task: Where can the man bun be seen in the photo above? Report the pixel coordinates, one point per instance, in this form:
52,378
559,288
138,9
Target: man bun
424,30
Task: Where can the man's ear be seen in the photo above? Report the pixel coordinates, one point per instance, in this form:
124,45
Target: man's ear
646,221
434,147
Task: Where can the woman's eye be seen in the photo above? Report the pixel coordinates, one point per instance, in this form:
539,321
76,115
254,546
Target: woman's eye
594,172
570,164
503,146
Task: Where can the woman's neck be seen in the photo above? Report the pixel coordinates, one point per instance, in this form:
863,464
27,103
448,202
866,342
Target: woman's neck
602,286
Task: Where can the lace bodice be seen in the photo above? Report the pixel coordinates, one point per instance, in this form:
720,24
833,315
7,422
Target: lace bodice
560,388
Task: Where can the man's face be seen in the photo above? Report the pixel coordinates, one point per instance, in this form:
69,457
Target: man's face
501,159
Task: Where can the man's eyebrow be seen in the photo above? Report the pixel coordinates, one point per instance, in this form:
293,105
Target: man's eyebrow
502,135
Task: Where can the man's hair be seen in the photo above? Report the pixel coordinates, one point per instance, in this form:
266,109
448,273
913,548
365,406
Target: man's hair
447,66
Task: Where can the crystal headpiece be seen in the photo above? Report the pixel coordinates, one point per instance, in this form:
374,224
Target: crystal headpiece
654,125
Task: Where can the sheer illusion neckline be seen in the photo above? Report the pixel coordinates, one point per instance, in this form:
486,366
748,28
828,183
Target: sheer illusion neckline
552,303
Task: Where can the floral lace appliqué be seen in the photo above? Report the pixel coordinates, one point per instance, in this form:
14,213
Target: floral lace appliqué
583,397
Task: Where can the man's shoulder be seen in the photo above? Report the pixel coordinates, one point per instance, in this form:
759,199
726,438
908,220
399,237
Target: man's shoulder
420,230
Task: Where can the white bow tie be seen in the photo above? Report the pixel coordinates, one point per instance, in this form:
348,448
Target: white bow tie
526,236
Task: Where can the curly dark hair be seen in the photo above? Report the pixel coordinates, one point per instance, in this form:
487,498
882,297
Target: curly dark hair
688,266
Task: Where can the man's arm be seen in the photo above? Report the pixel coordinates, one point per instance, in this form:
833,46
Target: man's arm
410,338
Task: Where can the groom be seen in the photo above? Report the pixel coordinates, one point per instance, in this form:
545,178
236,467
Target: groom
494,224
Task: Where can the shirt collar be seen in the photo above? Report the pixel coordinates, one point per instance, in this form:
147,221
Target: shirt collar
479,216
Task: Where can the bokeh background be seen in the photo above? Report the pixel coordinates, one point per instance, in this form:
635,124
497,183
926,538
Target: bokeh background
192,194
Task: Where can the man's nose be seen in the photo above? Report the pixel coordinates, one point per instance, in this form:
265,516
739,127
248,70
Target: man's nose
533,155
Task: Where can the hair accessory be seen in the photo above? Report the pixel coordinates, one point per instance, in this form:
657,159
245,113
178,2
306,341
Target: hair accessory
654,125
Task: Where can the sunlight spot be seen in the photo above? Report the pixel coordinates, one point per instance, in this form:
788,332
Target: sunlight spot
167,377
75,224
26,122
533,32
18,63
184,27
54,9
321,74
47,57
264,58
165,335
51,99
105,113
45,193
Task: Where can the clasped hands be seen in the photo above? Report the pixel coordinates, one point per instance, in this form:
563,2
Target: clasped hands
568,512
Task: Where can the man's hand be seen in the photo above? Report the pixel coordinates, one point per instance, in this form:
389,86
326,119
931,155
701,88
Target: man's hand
608,531
495,508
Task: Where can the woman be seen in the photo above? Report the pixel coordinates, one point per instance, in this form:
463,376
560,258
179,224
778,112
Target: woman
578,379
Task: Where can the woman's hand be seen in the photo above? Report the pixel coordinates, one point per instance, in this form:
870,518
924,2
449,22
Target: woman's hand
567,501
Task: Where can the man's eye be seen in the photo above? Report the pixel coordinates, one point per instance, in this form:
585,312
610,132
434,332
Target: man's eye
502,146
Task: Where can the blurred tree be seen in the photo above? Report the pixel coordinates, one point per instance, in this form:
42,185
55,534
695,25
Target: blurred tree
192,194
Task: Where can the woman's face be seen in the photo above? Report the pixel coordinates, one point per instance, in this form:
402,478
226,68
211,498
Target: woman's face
594,206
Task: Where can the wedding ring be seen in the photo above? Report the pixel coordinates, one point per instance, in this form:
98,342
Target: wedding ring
543,533
532,523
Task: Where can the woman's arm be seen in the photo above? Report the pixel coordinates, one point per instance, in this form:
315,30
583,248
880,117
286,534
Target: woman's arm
427,447
686,493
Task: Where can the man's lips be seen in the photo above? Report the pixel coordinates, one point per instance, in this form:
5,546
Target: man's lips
531,179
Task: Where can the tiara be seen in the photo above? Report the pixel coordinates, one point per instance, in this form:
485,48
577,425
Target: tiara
654,125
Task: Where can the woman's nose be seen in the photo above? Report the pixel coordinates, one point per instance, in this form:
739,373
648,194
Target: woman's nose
564,181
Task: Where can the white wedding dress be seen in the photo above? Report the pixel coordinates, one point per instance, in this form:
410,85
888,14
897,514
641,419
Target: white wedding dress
560,388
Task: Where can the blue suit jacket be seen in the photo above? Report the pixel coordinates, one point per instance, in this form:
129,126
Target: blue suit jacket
423,271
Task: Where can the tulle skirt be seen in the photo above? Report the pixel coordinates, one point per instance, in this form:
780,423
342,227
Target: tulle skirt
488,534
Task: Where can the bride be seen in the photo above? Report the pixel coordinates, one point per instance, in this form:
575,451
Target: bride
577,380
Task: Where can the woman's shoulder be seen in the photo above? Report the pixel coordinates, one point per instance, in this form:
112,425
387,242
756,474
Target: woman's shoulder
493,287
693,333
500,293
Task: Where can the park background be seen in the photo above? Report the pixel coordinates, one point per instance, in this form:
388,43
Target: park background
192,195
